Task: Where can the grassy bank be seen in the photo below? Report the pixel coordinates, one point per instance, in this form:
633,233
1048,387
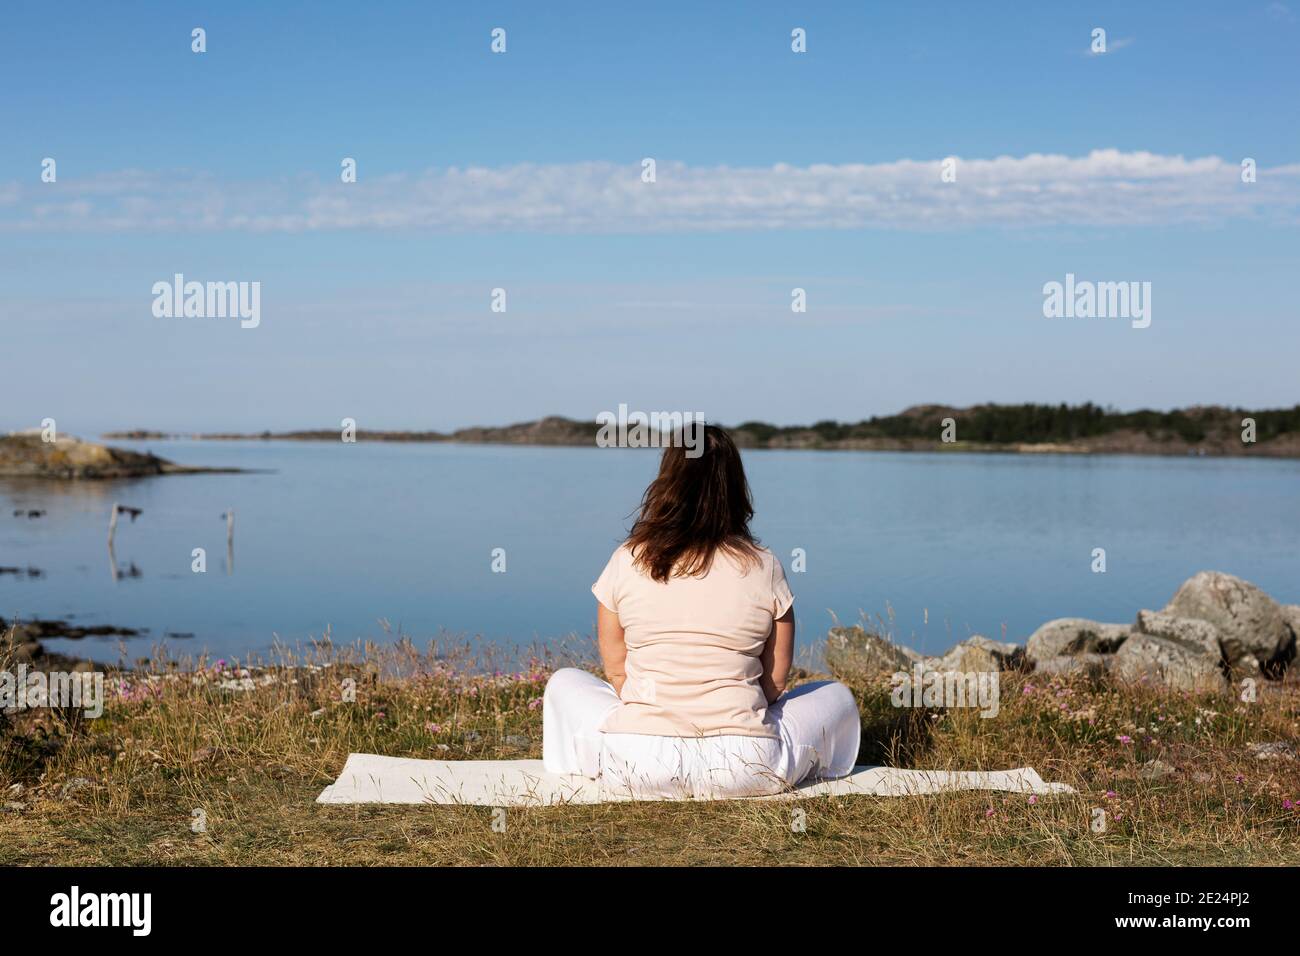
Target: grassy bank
1176,774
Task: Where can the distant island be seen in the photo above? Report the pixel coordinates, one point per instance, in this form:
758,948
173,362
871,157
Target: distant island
29,455
1027,428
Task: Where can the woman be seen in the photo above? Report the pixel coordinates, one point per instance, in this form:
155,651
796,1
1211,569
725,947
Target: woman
695,627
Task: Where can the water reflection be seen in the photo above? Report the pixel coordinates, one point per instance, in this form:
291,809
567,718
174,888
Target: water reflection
130,571
42,494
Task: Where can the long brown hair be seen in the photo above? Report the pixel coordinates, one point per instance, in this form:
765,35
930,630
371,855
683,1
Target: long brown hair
693,508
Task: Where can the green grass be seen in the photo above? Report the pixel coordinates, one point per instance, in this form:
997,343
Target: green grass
253,761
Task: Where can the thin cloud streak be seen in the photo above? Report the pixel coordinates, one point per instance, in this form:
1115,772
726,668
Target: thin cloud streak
1104,188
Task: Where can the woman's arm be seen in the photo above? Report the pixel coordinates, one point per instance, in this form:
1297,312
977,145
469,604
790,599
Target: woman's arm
613,648
777,656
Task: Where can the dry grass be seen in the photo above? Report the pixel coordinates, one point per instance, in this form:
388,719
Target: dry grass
121,789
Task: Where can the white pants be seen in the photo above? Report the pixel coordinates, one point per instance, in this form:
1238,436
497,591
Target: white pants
818,724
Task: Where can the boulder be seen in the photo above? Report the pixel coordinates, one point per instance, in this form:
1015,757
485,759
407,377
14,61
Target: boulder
1291,614
976,654
1249,621
1276,667
1070,665
1163,662
1199,635
855,652
1074,635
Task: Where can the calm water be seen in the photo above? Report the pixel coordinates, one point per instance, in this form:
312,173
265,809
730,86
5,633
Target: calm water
346,535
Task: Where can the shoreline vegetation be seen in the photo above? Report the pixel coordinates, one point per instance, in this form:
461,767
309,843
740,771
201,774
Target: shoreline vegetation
1179,734
1024,429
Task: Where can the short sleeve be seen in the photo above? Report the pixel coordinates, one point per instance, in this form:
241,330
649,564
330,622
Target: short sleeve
782,596
606,586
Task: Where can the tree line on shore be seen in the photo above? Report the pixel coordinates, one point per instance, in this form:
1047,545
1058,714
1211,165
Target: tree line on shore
1085,427
1034,423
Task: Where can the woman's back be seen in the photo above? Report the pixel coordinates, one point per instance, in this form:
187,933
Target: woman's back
694,644
696,636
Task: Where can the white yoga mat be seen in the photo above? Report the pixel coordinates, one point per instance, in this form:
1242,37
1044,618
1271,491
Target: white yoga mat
370,778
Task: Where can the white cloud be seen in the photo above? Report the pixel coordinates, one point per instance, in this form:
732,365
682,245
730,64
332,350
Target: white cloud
1280,12
1103,188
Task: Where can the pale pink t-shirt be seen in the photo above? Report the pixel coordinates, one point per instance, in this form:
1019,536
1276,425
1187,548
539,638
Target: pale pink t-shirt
693,645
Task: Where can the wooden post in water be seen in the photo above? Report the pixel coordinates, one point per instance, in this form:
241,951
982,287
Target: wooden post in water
112,529
230,540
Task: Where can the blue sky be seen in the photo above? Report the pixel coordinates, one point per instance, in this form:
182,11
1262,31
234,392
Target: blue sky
521,171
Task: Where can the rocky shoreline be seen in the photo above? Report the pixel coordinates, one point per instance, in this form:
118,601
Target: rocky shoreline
20,643
1216,632
28,455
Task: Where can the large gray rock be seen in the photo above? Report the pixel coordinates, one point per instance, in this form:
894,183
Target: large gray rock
1198,635
1249,621
1074,635
855,652
1069,665
976,654
1291,614
1285,658
1163,662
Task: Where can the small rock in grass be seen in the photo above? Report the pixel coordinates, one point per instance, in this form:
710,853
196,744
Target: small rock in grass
76,785
1155,769
1273,750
